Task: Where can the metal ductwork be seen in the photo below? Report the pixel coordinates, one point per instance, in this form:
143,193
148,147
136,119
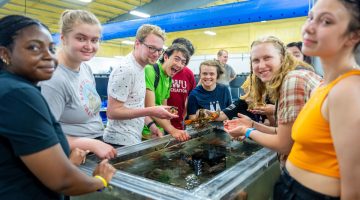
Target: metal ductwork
228,14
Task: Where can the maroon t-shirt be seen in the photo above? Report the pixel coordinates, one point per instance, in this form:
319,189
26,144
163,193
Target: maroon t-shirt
182,84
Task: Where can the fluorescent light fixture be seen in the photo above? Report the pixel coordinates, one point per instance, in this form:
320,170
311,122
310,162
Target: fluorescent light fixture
209,33
129,42
86,1
139,14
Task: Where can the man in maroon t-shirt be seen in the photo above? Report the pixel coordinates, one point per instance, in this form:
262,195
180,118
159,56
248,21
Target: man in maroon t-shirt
182,84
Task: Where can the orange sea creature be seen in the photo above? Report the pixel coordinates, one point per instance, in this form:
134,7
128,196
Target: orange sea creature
203,118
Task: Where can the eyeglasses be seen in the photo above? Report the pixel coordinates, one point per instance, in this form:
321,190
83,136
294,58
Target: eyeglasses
179,60
153,49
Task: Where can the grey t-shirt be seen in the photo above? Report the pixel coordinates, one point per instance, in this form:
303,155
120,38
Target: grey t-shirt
73,100
127,85
225,77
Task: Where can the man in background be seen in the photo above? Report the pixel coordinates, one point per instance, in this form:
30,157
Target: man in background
229,73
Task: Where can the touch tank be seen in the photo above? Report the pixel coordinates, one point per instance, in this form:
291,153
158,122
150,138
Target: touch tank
209,166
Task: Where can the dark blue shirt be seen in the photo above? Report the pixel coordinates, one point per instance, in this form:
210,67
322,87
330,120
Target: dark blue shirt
240,106
27,126
211,100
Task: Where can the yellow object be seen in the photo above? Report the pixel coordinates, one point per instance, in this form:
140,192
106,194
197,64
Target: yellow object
102,180
313,148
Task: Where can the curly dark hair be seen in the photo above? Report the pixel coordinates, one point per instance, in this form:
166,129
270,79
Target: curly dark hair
186,43
176,47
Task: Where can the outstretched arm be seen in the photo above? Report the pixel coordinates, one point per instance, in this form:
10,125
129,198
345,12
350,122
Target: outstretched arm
180,135
99,148
278,139
54,170
117,110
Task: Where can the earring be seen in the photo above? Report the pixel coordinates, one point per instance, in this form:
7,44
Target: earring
5,61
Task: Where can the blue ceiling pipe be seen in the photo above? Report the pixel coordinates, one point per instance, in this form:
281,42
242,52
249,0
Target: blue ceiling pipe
228,14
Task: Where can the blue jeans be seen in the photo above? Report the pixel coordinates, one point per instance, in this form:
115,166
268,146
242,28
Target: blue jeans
287,188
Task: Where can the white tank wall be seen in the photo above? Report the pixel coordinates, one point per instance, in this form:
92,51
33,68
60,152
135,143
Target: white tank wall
102,65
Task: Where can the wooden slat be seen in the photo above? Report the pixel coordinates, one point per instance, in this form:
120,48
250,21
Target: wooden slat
105,8
34,4
137,2
63,4
117,4
5,11
33,11
99,14
51,23
60,9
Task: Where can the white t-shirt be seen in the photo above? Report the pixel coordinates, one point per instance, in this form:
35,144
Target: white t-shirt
126,84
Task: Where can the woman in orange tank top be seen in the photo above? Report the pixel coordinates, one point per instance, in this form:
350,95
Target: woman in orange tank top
324,161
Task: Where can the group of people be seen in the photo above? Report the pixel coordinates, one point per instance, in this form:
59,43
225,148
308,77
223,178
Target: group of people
53,96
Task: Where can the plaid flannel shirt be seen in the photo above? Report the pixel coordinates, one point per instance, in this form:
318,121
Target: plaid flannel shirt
295,92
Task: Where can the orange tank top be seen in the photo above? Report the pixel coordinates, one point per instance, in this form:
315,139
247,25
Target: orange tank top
313,148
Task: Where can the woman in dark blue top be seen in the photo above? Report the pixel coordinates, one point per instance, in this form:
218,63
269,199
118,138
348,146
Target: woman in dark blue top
33,148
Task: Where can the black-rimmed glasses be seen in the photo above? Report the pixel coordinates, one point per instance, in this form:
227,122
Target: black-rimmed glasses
153,49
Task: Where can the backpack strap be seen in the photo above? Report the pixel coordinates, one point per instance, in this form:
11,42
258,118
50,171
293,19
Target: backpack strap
157,75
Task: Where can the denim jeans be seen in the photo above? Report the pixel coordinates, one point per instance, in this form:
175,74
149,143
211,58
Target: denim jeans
287,188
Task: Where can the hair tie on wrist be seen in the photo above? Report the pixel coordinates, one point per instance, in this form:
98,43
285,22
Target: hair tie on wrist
150,124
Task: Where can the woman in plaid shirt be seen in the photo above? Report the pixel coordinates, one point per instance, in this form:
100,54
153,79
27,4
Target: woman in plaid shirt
287,81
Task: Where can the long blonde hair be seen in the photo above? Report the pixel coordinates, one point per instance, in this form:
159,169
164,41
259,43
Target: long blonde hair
258,91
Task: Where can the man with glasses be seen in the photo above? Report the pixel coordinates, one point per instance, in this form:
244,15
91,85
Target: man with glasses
182,84
126,90
158,84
